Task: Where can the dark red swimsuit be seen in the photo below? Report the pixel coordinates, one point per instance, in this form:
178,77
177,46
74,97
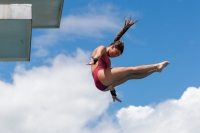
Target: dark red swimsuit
103,63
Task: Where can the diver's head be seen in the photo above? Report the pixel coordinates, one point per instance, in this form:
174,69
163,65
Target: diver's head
116,49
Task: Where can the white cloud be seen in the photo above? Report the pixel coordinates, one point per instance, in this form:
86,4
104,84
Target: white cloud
171,116
61,97
41,52
58,98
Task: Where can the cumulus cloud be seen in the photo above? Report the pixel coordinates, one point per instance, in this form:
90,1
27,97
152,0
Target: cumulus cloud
171,116
56,98
61,97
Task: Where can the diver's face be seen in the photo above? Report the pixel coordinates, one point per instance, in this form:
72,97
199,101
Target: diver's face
114,52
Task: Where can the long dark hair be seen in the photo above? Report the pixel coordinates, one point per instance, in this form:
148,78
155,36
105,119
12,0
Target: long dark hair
117,43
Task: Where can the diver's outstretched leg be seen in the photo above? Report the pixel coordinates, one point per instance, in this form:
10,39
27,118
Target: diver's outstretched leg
134,76
112,75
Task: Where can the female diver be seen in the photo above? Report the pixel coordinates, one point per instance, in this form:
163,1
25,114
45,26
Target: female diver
105,77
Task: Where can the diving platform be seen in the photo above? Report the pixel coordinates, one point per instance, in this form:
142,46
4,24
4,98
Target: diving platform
18,17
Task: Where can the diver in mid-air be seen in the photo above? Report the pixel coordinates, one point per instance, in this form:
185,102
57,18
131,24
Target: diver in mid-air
105,77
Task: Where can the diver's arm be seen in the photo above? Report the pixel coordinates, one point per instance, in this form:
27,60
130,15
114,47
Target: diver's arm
98,52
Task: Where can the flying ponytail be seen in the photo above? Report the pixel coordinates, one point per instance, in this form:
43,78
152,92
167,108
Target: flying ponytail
127,24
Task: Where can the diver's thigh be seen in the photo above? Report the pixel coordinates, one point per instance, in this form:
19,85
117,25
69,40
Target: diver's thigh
110,75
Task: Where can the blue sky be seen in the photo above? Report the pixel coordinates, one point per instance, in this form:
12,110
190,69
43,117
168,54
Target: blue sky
167,30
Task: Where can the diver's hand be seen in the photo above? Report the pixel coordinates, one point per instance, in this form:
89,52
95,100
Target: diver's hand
115,98
113,93
91,62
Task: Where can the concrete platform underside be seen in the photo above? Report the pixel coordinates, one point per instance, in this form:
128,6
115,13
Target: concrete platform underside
46,13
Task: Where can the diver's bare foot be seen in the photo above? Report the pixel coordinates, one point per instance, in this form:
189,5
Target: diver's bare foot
161,65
